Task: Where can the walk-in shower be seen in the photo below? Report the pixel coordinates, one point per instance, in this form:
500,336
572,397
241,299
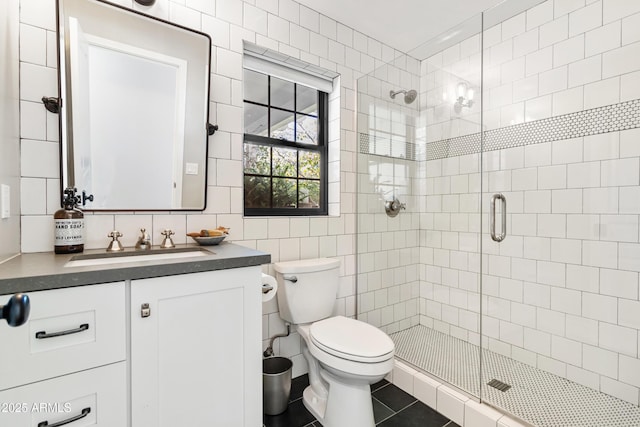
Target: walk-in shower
538,109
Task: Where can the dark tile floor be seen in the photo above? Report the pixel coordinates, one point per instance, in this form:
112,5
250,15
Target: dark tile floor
392,407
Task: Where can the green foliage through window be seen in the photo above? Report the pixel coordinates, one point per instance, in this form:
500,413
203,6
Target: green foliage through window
285,147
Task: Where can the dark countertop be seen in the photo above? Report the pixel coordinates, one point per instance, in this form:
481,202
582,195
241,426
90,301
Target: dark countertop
42,271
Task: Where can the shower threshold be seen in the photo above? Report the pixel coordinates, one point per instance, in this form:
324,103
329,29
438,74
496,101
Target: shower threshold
536,396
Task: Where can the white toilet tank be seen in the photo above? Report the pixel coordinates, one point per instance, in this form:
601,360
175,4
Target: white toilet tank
311,292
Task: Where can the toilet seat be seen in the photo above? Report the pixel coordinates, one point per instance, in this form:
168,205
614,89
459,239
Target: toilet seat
343,362
351,339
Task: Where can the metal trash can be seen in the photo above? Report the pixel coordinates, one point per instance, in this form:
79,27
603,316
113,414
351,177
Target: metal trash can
276,384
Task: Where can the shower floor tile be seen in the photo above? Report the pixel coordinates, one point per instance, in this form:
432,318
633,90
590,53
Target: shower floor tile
536,396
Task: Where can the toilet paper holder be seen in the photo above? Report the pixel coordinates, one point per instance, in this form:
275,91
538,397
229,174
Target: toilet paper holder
269,287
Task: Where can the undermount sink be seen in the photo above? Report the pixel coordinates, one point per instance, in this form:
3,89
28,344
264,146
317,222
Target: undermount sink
137,256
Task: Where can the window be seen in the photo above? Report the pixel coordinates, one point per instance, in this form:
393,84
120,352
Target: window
285,147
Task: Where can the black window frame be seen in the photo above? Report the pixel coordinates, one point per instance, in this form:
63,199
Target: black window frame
322,148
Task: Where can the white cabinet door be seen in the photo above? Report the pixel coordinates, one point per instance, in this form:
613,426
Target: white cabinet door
195,359
96,397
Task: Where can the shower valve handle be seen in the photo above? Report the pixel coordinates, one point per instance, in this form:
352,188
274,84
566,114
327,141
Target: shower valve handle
393,207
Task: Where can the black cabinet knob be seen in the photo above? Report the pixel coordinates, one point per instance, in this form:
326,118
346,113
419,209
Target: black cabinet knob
16,311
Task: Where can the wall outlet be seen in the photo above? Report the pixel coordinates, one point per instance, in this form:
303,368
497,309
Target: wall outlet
191,169
5,201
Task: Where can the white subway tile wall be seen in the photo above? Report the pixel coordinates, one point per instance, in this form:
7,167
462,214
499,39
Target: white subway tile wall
389,248
561,293
280,25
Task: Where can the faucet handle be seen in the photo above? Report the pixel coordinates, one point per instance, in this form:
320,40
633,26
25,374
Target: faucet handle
115,245
393,207
167,242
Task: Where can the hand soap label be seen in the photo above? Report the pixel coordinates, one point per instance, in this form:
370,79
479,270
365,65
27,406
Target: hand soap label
69,232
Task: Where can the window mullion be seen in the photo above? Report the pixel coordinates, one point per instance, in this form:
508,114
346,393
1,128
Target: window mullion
295,138
297,178
269,106
270,148
323,141
263,140
271,177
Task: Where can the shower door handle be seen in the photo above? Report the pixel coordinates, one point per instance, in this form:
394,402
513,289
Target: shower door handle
492,217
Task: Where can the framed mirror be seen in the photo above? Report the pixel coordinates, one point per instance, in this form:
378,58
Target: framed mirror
134,106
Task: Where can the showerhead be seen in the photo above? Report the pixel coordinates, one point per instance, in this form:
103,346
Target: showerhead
409,95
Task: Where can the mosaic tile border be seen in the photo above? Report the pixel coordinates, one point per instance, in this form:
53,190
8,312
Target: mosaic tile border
541,398
386,147
610,118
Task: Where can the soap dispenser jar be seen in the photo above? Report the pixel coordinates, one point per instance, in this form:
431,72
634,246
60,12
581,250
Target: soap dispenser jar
69,225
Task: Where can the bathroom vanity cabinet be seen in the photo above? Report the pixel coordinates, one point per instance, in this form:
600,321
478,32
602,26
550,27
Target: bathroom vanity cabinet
195,349
149,351
68,360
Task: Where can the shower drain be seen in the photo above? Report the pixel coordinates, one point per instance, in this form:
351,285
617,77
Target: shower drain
499,385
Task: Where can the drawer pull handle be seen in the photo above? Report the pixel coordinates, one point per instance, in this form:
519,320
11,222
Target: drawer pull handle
84,413
43,334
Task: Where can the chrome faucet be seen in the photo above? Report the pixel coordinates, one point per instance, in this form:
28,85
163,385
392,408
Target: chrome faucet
167,242
144,241
115,245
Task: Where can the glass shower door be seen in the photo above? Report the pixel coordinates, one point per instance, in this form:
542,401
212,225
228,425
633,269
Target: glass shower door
388,203
443,340
560,166
513,272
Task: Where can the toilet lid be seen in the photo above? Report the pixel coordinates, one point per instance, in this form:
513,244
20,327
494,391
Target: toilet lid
351,339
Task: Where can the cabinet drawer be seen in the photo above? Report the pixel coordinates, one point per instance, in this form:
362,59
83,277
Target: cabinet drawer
97,397
69,330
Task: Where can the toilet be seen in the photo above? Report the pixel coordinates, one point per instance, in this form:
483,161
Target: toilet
345,356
